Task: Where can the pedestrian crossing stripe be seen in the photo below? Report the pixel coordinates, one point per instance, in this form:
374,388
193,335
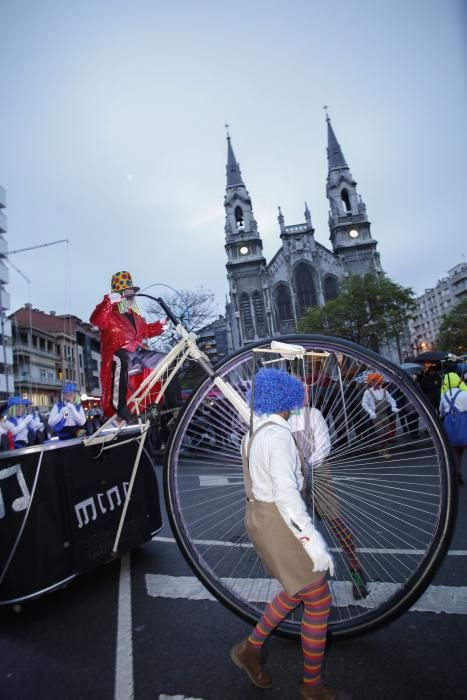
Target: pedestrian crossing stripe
436,599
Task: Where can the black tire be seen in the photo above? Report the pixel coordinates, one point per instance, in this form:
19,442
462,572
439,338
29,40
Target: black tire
399,507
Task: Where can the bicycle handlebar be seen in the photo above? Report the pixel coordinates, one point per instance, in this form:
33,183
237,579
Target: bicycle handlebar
164,306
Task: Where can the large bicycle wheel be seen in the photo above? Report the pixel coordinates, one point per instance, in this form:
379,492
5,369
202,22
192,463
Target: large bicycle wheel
384,497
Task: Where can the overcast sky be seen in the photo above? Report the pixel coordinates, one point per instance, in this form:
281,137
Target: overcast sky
112,134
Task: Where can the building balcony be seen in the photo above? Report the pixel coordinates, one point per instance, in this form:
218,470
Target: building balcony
26,350
3,224
3,246
21,380
2,197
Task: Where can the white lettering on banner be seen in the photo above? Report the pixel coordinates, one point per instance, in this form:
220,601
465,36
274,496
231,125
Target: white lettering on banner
103,508
110,492
87,507
23,501
82,507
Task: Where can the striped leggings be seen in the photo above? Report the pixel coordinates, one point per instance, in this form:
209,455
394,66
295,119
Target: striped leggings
316,601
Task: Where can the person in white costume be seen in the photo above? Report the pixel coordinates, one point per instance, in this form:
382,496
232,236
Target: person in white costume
283,534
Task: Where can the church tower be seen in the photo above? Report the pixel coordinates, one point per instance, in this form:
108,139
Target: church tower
245,262
349,226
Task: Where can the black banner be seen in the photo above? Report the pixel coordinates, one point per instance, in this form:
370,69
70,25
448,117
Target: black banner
60,506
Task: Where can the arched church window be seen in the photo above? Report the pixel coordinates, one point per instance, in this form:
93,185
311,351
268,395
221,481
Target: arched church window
260,317
239,217
346,201
330,287
247,319
305,287
283,303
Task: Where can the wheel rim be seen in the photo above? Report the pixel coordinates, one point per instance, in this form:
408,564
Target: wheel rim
397,509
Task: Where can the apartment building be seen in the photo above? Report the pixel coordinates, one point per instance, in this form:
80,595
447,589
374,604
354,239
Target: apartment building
435,303
51,349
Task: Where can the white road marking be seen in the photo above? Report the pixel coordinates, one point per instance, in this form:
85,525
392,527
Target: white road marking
436,599
363,550
176,697
124,682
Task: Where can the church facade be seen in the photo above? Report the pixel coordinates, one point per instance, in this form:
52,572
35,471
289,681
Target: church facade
269,298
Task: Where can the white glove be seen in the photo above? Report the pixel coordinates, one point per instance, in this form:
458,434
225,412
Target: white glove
115,297
318,552
373,415
314,546
395,410
164,323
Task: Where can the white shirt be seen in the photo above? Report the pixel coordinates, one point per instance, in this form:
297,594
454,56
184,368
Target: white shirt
460,401
371,395
313,434
275,470
74,415
20,431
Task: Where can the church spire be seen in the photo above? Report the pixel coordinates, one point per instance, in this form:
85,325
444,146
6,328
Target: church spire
234,175
335,156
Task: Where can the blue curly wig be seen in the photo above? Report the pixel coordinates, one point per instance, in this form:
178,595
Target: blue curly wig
276,391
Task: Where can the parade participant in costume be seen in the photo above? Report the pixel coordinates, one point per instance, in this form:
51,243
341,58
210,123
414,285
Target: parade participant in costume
454,396
123,330
283,534
375,401
452,380
17,423
311,434
36,426
67,416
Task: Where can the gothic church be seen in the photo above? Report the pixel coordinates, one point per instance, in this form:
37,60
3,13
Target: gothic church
268,299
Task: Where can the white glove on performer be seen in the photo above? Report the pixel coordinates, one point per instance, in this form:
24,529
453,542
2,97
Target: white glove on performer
315,546
318,552
115,297
164,323
373,416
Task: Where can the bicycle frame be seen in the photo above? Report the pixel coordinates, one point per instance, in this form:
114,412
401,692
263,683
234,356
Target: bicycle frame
164,373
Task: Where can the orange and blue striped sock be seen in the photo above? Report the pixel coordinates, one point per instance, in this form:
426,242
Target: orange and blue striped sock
275,612
316,609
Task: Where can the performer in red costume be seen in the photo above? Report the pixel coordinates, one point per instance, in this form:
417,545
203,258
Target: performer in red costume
123,330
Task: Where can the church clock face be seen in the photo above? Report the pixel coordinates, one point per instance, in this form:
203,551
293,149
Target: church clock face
353,233
244,250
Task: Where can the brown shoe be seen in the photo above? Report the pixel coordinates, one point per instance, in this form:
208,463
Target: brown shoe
321,692
248,657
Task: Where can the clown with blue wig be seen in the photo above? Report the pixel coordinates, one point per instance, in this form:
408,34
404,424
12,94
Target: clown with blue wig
283,534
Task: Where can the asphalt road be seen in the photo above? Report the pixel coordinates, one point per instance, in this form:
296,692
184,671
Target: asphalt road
104,637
